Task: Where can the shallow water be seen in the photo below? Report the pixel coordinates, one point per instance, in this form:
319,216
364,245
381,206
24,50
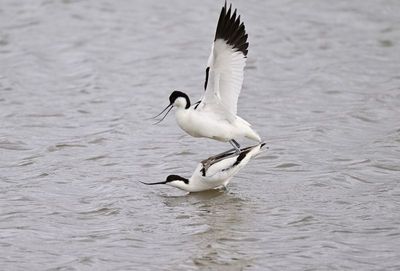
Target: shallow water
78,78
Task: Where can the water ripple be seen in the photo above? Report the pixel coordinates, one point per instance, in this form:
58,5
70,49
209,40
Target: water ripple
78,78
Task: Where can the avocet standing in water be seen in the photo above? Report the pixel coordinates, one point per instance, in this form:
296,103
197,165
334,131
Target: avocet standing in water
214,172
214,116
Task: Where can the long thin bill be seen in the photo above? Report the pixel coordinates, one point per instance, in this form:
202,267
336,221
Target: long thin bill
160,113
163,117
152,183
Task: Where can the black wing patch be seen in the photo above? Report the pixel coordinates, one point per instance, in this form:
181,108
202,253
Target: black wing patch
241,156
231,30
239,159
219,157
207,74
197,104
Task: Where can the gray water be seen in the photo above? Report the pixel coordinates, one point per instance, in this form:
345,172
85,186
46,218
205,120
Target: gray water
78,78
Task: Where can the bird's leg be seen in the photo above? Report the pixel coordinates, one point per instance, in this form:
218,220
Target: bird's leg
235,145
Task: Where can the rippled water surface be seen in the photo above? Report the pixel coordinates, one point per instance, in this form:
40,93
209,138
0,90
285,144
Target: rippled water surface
78,78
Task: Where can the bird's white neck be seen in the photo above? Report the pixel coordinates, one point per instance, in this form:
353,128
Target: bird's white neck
182,185
182,103
182,114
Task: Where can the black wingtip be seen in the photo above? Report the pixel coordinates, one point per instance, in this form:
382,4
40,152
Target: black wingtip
230,29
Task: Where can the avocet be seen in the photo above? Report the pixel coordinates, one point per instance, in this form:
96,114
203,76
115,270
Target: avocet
214,116
213,172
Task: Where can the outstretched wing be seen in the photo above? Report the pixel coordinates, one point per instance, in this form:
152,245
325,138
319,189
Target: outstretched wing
224,74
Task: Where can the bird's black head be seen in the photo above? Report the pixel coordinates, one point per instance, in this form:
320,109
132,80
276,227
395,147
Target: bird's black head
172,178
178,99
179,94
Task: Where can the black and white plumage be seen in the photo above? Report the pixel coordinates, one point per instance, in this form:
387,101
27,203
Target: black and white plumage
215,171
231,30
215,116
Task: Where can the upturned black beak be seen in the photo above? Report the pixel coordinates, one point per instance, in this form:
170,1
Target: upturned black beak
168,106
153,183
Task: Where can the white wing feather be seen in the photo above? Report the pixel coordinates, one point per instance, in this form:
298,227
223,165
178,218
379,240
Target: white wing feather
226,67
225,78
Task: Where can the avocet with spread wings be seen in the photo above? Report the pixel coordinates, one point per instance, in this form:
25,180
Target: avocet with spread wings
214,116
